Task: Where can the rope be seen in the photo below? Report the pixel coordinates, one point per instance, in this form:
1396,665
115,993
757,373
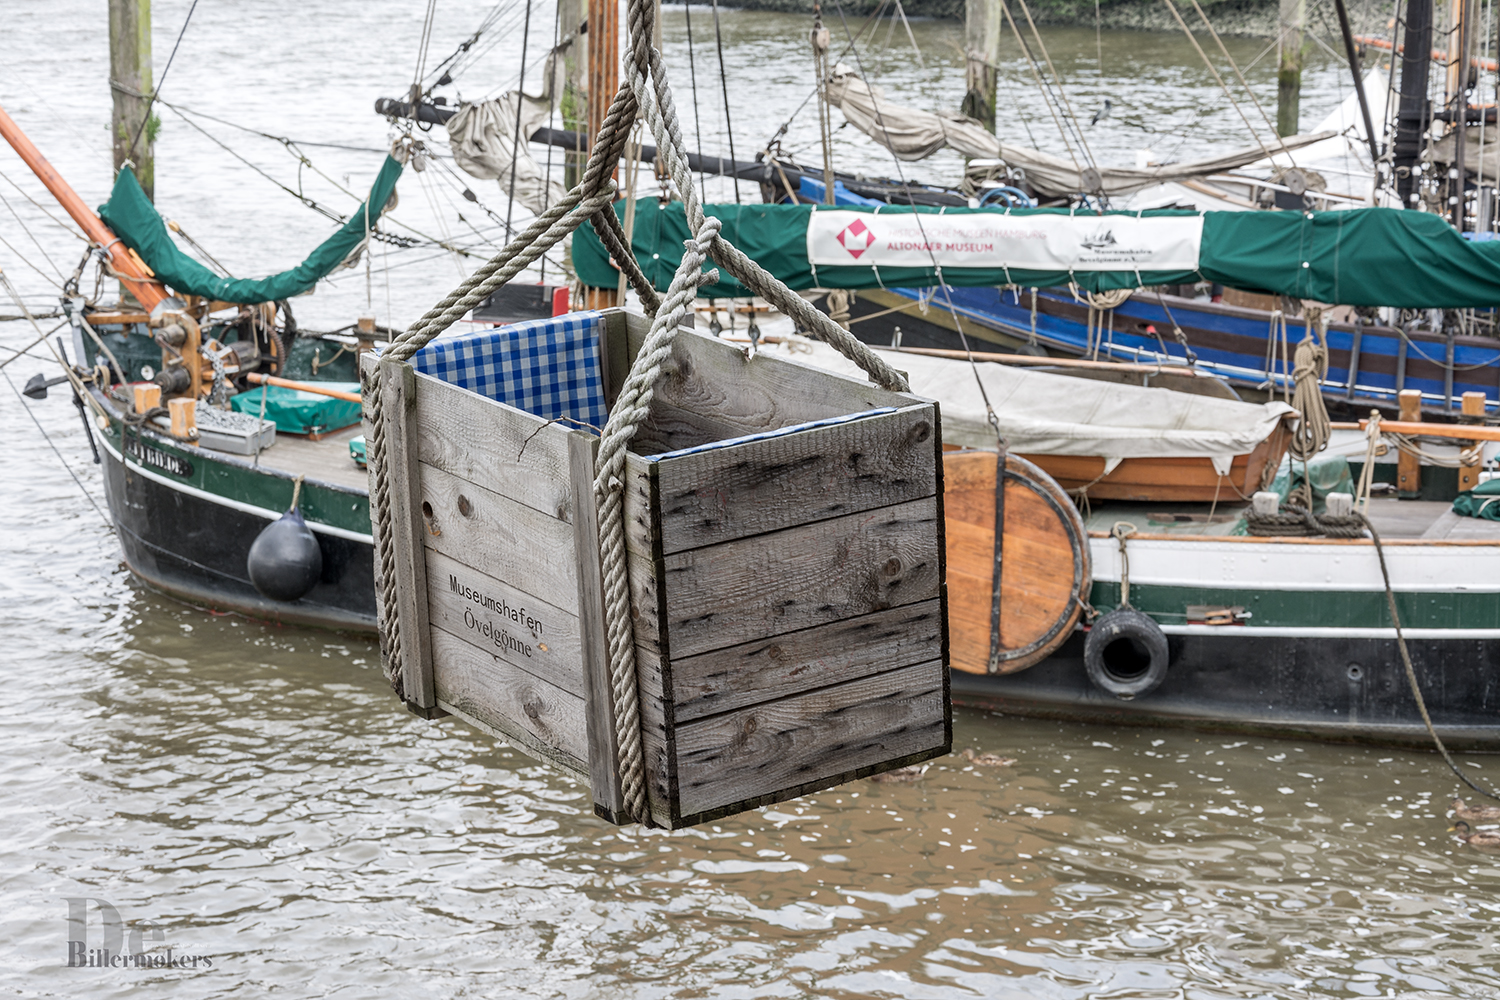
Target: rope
648,96
1411,673
1313,430
1121,531
1296,521
146,118
723,86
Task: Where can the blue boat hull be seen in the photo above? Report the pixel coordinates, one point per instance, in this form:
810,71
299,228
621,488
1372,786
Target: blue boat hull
1239,344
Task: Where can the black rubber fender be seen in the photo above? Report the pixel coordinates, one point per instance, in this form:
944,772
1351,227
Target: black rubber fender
1126,654
285,560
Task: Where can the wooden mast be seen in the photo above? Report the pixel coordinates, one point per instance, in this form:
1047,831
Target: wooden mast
603,80
133,273
130,85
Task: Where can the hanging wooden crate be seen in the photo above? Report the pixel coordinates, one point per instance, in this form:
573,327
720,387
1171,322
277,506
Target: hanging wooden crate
785,538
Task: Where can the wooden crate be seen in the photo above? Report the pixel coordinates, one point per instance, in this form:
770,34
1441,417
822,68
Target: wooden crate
785,538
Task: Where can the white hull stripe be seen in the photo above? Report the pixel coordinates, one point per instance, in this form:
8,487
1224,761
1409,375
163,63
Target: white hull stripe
1314,632
1241,566
269,515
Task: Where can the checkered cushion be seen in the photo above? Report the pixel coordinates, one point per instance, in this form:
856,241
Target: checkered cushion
549,367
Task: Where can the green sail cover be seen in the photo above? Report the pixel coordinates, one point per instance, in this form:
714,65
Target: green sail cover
135,221
1363,257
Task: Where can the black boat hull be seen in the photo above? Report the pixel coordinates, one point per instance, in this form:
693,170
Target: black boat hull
1332,689
193,546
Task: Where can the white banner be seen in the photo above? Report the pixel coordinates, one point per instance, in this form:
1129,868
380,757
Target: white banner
1035,242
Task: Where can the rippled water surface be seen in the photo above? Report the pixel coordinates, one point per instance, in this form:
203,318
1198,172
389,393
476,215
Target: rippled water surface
256,796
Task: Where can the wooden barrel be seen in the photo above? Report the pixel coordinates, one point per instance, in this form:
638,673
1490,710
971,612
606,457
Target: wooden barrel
1044,560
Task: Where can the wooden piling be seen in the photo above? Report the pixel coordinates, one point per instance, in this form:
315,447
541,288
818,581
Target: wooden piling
130,86
1291,22
982,21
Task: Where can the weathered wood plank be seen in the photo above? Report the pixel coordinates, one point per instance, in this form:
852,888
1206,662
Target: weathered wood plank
604,775
762,486
646,601
503,449
711,390
512,541
768,669
640,518
754,588
761,753
541,719
505,622
399,412
658,743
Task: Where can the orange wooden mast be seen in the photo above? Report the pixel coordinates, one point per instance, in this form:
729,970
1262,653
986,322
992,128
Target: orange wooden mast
130,270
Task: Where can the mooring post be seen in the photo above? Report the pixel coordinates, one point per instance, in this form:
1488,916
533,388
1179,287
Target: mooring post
981,50
1291,21
130,86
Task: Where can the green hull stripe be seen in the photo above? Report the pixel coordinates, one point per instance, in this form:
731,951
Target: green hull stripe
1310,608
321,505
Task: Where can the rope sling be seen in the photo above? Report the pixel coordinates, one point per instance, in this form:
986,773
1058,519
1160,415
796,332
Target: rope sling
646,95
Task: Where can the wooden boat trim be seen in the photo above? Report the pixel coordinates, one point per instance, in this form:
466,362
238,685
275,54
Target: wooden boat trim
1283,540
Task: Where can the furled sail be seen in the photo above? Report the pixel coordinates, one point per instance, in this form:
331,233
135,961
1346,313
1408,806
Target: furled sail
483,137
135,220
913,134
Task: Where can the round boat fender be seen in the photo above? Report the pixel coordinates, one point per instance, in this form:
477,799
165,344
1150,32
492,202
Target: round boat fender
285,560
1126,654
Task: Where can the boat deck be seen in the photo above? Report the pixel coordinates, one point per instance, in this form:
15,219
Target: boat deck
1424,520
325,460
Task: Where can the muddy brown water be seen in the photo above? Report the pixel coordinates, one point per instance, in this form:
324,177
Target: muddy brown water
255,796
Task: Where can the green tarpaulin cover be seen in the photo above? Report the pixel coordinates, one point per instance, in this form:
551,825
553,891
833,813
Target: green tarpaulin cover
1482,501
297,412
135,221
1368,257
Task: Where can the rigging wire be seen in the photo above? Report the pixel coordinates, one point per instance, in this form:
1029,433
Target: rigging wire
687,13
1235,66
146,118
1041,84
515,146
1222,85
43,208
550,68
1061,90
958,322
724,86
27,230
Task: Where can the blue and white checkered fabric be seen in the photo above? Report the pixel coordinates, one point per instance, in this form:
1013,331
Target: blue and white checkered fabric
549,367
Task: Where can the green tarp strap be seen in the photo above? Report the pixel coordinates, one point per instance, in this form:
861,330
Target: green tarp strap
136,222
1362,257
1482,501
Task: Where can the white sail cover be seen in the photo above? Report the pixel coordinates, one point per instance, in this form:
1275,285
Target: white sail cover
1085,242
913,135
483,139
1045,414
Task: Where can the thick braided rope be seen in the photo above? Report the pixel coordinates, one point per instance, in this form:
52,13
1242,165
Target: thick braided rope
658,110
607,227
594,190
629,411
633,405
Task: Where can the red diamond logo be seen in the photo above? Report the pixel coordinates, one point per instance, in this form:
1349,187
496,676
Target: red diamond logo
856,238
